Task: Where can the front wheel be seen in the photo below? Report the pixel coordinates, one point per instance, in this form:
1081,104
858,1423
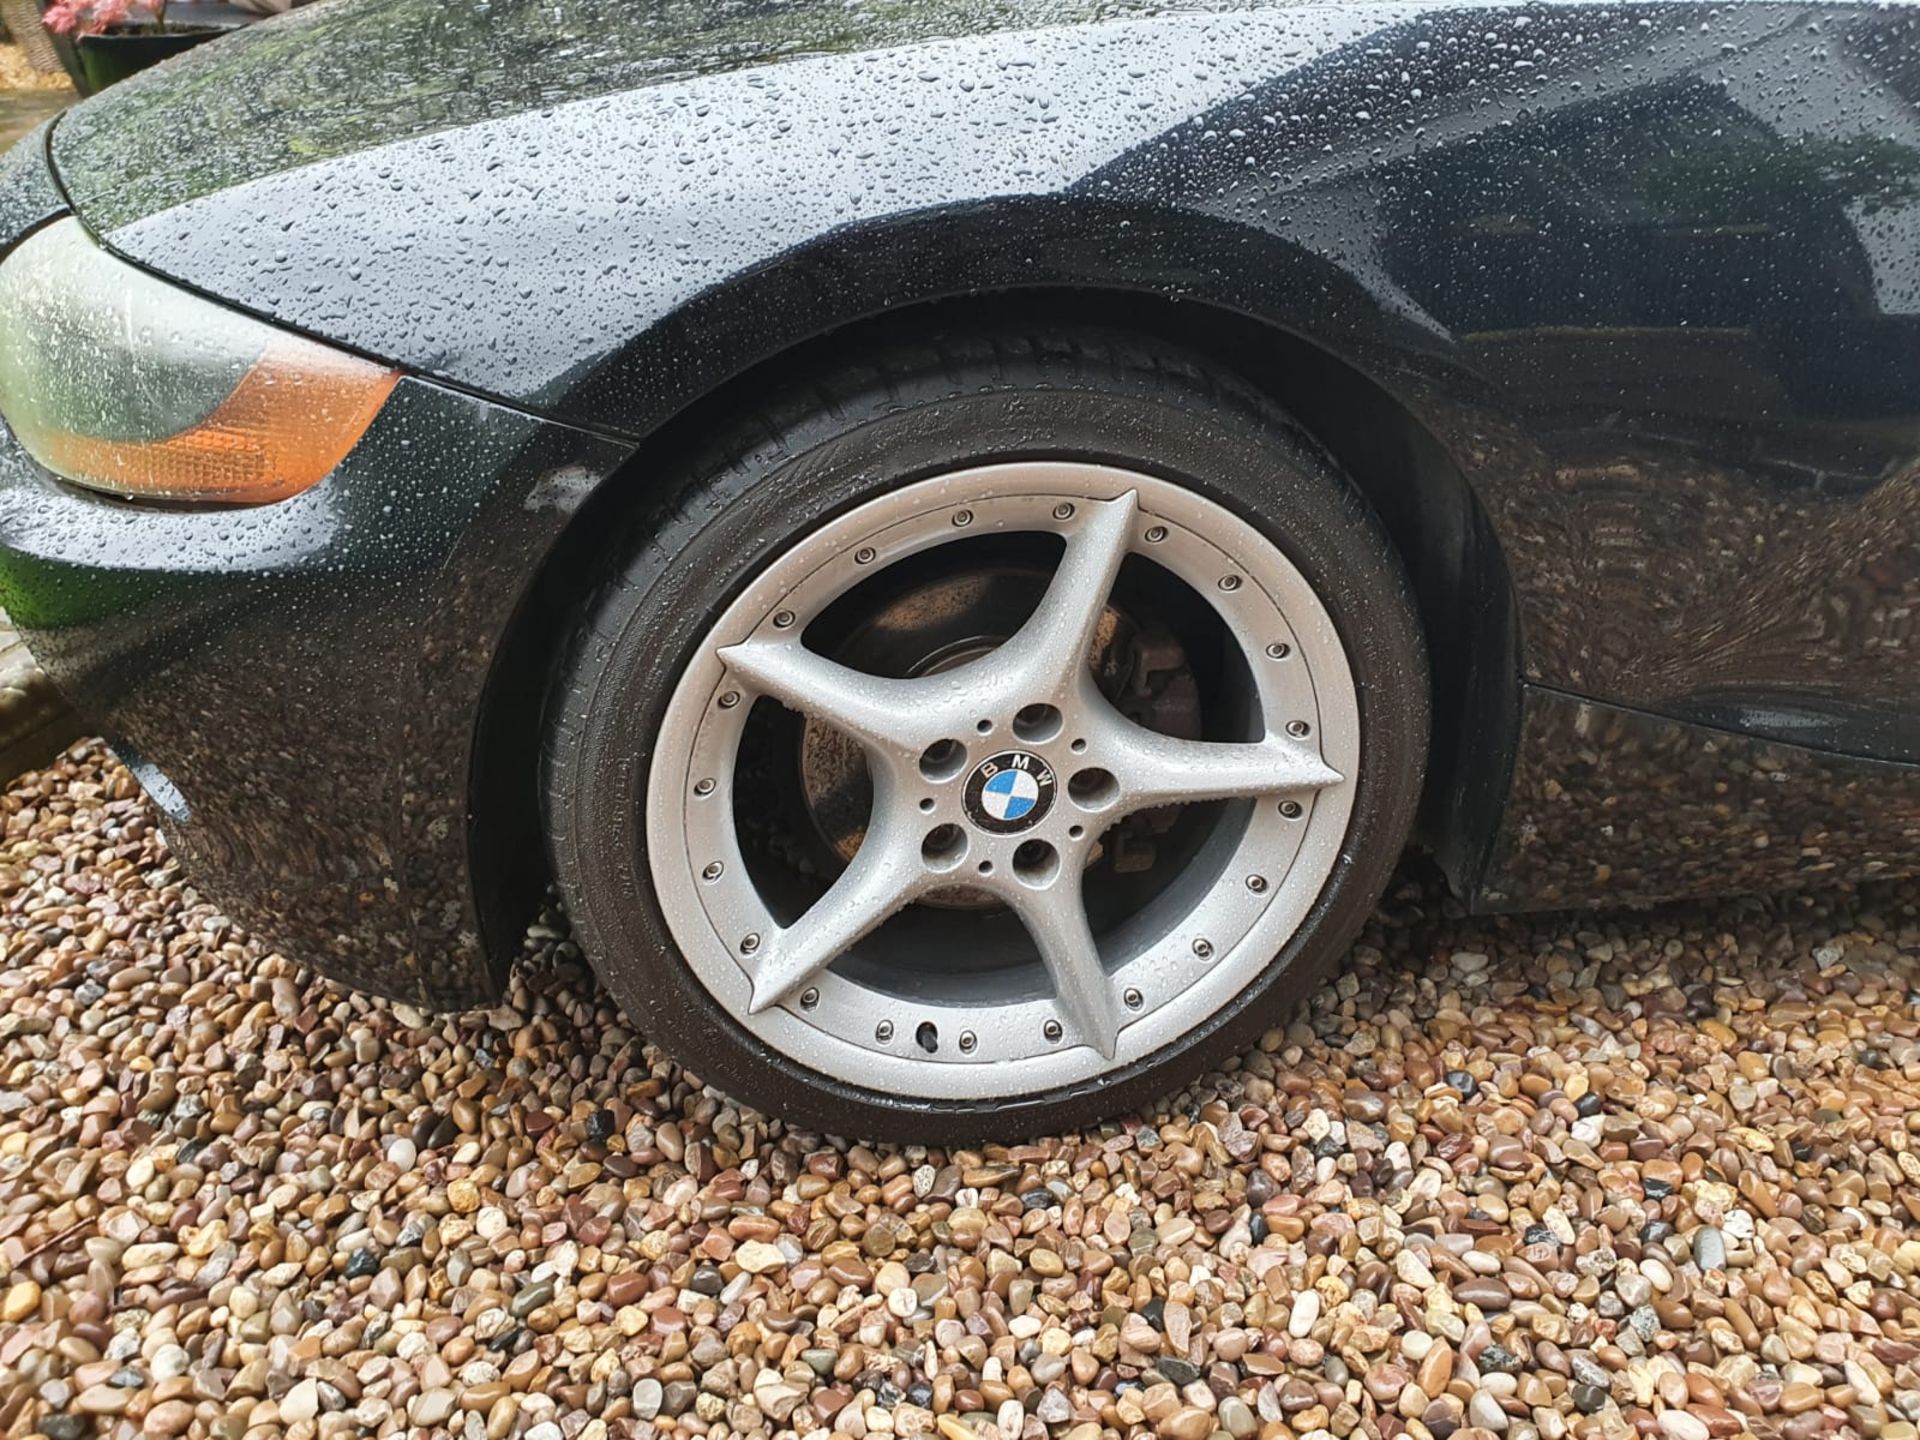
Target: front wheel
1010,730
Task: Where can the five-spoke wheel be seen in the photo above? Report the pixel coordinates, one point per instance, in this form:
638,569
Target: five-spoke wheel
1006,774
1006,782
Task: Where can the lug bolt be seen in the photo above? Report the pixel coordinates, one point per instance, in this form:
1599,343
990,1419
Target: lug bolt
1063,511
703,787
1290,809
749,944
1052,1030
883,1032
1156,533
863,556
967,1042
1134,999
782,619
713,871
1203,947
1279,650
1229,582
1257,884
730,699
809,998
963,518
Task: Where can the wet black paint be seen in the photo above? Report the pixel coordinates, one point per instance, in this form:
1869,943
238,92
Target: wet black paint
297,684
1648,277
1650,274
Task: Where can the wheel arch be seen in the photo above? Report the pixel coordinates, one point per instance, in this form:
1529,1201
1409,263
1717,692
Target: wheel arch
1436,522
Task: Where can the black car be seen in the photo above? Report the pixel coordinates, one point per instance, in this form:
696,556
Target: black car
966,538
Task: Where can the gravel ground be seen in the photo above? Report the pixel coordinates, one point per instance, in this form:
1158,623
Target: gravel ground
1642,1175
16,73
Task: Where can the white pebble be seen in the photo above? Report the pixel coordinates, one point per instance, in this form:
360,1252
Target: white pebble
1306,1310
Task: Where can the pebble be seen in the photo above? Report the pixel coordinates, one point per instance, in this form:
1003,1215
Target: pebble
302,1402
1237,1418
756,1257
1489,1292
432,1407
1586,1178
20,1302
104,1400
1679,1425
1412,1270
1709,1248
1305,1311
647,1395
171,1417
1484,1410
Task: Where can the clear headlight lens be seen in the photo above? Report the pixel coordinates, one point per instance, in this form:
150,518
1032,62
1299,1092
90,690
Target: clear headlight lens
118,381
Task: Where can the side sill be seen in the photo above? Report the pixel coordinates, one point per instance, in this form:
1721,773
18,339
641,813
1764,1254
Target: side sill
1610,806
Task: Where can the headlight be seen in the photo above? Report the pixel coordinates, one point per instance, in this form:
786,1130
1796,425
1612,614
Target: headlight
118,381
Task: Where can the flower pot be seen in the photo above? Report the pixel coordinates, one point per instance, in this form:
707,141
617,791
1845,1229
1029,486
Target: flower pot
117,54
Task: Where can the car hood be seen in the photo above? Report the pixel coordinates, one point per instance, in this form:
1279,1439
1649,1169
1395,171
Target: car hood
351,75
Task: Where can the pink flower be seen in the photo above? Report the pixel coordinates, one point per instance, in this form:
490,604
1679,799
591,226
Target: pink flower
64,17
92,17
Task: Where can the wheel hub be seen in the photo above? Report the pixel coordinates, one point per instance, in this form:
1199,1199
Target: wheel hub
1010,792
959,941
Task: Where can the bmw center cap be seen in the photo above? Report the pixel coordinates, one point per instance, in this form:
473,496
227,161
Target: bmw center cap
1009,792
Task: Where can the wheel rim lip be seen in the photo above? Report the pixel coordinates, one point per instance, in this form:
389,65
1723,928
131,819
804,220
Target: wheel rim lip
838,1035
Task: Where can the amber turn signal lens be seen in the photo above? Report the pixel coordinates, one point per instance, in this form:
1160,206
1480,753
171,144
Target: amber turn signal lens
114,379
287,424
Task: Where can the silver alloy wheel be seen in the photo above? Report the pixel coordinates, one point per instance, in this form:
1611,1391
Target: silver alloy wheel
1004,772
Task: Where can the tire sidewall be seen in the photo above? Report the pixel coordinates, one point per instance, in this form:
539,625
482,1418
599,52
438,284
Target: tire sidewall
661,600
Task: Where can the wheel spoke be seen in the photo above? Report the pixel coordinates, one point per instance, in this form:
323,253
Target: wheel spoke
1057,919
1154,769
872,708
1053,645
884,876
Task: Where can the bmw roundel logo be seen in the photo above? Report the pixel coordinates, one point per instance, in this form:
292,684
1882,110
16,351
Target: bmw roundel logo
1009,792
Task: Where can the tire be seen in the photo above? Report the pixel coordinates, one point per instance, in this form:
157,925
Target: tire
823,453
